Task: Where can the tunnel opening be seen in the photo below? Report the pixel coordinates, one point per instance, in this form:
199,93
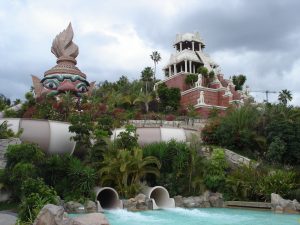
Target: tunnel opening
108,199
160,196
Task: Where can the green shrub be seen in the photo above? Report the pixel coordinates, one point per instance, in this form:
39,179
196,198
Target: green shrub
38,186
35,194
54,171
214,177
241,183
276,150
190,79
295,194
279,181
127,139
182,167
27,153
6,132
81,178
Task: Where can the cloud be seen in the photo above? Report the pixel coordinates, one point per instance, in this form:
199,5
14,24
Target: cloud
257,38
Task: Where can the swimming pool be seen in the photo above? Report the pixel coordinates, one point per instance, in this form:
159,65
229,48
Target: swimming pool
210,216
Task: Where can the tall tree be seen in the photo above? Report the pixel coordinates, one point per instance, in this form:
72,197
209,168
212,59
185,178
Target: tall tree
155,56
145,98
285,96
239,81
147,76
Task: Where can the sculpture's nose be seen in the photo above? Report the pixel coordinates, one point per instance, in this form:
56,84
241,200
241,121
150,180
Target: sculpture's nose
66,86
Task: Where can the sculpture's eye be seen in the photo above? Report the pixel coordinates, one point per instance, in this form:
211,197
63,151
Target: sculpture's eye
81,87
51,84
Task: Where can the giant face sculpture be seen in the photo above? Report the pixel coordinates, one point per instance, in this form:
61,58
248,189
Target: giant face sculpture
61,83
65,76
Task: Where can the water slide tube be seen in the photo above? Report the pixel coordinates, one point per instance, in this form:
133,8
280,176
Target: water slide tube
107,198
160,197
52,136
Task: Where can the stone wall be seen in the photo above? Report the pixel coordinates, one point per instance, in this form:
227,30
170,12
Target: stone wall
236,159
207,200
4,143
196,124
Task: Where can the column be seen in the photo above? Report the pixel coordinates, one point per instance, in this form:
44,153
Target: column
193,46
194,69
181,69
190,66
175,69
185,64
180,44
170,71
199,47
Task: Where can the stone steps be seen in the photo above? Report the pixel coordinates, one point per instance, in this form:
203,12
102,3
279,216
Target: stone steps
243,204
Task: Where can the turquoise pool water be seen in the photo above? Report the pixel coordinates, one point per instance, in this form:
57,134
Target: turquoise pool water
211,216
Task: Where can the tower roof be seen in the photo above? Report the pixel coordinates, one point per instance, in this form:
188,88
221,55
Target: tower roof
189,37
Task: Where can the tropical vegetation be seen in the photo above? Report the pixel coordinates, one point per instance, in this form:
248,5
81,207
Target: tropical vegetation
268,134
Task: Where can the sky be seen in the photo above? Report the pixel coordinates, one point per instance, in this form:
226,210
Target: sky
257,38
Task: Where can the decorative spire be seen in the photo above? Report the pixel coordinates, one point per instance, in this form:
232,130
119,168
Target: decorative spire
66,51
63,46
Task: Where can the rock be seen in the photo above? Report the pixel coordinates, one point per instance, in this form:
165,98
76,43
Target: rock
91,219
4,143
277,203
74,207
139,203
206,205
140,198
51,215
8,218
149,204
189,202
90,207
206,195
55,215
129,204
216,200
178,201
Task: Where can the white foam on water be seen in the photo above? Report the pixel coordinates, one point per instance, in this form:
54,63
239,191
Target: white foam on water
222,216
124,215
189,212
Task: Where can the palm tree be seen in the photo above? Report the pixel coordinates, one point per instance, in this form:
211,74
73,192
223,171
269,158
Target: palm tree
147,76
125,169
145,98
284,96
130,99
155,56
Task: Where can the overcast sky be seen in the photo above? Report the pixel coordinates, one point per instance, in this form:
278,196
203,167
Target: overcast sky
258,38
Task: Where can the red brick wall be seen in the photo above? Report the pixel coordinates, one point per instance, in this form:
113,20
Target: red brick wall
204,112
178,82
210,98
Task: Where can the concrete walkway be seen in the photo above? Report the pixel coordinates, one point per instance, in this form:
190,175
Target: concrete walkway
7,218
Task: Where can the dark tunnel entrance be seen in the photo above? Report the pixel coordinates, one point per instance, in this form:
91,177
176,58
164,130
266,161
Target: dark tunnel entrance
108,199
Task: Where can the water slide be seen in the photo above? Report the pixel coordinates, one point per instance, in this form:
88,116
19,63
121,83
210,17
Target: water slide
160,197
107,198
52,136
